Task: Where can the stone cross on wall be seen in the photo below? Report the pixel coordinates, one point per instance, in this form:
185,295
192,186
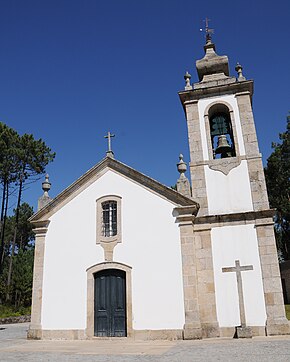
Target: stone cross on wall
238,269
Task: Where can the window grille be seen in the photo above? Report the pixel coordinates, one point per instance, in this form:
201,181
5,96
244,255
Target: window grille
109,224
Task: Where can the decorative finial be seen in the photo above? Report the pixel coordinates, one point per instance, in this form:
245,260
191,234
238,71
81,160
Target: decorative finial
46,185
187,78
45,198
239,69
109,153
181,166
208,31
182,184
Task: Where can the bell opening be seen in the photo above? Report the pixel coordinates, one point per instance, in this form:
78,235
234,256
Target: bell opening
222,135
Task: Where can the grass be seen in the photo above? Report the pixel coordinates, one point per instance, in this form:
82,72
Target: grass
9,311
287,308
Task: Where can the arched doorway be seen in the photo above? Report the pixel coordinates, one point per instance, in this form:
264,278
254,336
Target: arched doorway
110,303
101,274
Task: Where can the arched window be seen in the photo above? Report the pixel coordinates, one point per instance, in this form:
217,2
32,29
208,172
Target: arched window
109,219
221,132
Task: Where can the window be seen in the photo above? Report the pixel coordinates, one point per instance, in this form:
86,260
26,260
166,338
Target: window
108,219
109,224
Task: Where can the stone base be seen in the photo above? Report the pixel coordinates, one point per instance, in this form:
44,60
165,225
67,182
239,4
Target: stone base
243,332
159,334
34,333
66,334
276,327
192,333
80,334
210,330
230,332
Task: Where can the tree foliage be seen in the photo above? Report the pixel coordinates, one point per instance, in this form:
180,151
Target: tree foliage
22,159
20,288
277,175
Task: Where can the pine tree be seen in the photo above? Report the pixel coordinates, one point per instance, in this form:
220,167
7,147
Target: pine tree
278,183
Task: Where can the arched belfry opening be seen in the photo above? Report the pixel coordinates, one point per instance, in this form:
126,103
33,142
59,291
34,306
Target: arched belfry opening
221,132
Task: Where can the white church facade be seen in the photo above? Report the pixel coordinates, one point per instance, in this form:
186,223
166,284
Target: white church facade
117,254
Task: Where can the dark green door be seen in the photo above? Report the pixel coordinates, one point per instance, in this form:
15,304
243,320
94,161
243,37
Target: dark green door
110,303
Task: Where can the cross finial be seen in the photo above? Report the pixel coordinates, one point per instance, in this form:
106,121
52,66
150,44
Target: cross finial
110,135
208,31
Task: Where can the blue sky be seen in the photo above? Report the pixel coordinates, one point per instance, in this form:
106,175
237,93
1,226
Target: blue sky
72,70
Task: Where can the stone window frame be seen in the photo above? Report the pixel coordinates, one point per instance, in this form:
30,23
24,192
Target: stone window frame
208,110
100,237
90,296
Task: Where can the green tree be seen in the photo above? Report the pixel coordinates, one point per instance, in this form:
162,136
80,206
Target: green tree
22,278
32,156
21,282
22,159
277,174
9,139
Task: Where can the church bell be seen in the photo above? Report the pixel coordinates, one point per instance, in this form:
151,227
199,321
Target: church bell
223,147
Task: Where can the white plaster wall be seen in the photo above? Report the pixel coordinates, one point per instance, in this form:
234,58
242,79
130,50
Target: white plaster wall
150,246
228,193
232,243
203,104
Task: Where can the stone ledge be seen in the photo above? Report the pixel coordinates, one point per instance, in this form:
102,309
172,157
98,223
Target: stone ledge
243,217
162,334
13,320
244,88
66,334
80,334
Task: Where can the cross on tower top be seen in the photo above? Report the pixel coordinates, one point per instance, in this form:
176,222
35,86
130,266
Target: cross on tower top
109,153
208,31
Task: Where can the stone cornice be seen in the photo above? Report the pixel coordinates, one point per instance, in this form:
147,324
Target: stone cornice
119,167
40,227
259,218
224,165
185,214
194,95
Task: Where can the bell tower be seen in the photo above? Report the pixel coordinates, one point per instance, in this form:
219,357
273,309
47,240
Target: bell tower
234,228
226,168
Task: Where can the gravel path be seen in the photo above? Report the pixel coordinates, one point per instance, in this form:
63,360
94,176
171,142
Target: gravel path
15,347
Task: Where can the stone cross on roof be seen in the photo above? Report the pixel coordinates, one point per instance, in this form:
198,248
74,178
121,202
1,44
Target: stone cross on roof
110,153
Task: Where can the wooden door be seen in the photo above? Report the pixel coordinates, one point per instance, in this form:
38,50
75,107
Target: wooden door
110,303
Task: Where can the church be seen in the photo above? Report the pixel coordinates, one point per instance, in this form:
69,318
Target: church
118,254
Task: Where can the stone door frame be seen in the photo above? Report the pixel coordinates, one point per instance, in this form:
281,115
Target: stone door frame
90,295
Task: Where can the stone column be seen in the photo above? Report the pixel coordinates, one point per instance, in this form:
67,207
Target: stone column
196,156
192,326
254,159
276,320
206,286
35,329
